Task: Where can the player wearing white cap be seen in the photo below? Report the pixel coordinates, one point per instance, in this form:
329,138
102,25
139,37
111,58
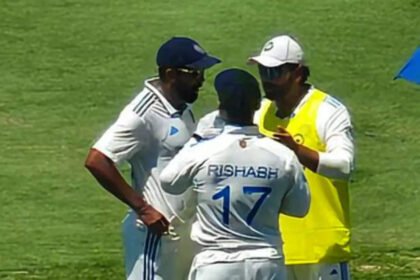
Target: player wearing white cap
318,129
241,182
147,134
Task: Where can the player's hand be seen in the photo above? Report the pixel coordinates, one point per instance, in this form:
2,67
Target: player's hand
285,138
154,220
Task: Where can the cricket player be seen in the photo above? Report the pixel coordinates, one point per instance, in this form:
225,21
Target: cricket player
241,181
318,128
149,131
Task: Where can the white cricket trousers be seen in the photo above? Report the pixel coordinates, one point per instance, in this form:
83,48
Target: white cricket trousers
248,269
319,271
152,257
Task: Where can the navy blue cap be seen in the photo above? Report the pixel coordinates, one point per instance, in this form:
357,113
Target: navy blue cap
237,89
184,52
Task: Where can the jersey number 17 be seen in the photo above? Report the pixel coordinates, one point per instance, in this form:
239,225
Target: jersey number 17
224,194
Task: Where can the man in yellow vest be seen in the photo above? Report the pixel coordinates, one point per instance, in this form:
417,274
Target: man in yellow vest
318,129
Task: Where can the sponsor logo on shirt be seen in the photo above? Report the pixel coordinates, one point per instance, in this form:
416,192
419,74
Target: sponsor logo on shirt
173,130
299,138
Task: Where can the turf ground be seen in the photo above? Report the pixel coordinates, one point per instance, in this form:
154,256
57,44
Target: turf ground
67,67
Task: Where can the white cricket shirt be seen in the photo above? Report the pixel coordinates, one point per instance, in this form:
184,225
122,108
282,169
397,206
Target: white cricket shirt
241,182
147,134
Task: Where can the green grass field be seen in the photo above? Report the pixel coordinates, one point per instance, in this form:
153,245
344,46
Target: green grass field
67,67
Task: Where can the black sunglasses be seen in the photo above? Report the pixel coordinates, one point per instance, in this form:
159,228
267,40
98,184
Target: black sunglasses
271,73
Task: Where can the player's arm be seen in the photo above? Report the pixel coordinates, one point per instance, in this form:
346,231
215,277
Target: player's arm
178,175
107,174
307,157
337,132
122,140
335,129
296,201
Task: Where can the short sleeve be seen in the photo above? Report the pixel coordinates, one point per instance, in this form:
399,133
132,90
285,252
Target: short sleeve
210,125
124,138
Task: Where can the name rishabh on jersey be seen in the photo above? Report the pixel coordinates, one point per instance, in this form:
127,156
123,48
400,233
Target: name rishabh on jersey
229,170
147,134
241,182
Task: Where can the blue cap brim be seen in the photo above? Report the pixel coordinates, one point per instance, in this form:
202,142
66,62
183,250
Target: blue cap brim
204,63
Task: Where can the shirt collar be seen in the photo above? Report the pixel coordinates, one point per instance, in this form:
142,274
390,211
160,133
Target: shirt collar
301,103
172,111
236,129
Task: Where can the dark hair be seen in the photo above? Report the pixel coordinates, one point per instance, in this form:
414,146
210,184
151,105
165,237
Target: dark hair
305,74
162,73
292,66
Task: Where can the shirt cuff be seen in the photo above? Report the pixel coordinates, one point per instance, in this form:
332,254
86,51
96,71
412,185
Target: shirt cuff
333,165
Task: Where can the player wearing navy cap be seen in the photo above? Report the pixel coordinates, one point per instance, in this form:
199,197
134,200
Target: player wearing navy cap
241,182
147,134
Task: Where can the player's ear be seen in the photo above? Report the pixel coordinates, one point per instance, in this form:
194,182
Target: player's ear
298,73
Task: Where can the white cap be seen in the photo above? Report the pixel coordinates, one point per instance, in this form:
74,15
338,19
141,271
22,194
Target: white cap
278,51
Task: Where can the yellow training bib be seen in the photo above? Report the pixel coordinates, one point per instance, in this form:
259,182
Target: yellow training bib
324,234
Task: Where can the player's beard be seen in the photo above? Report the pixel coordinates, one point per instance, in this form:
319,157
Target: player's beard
189,93
274,91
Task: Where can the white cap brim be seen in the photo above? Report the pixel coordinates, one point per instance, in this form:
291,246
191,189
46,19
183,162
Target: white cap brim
266,61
